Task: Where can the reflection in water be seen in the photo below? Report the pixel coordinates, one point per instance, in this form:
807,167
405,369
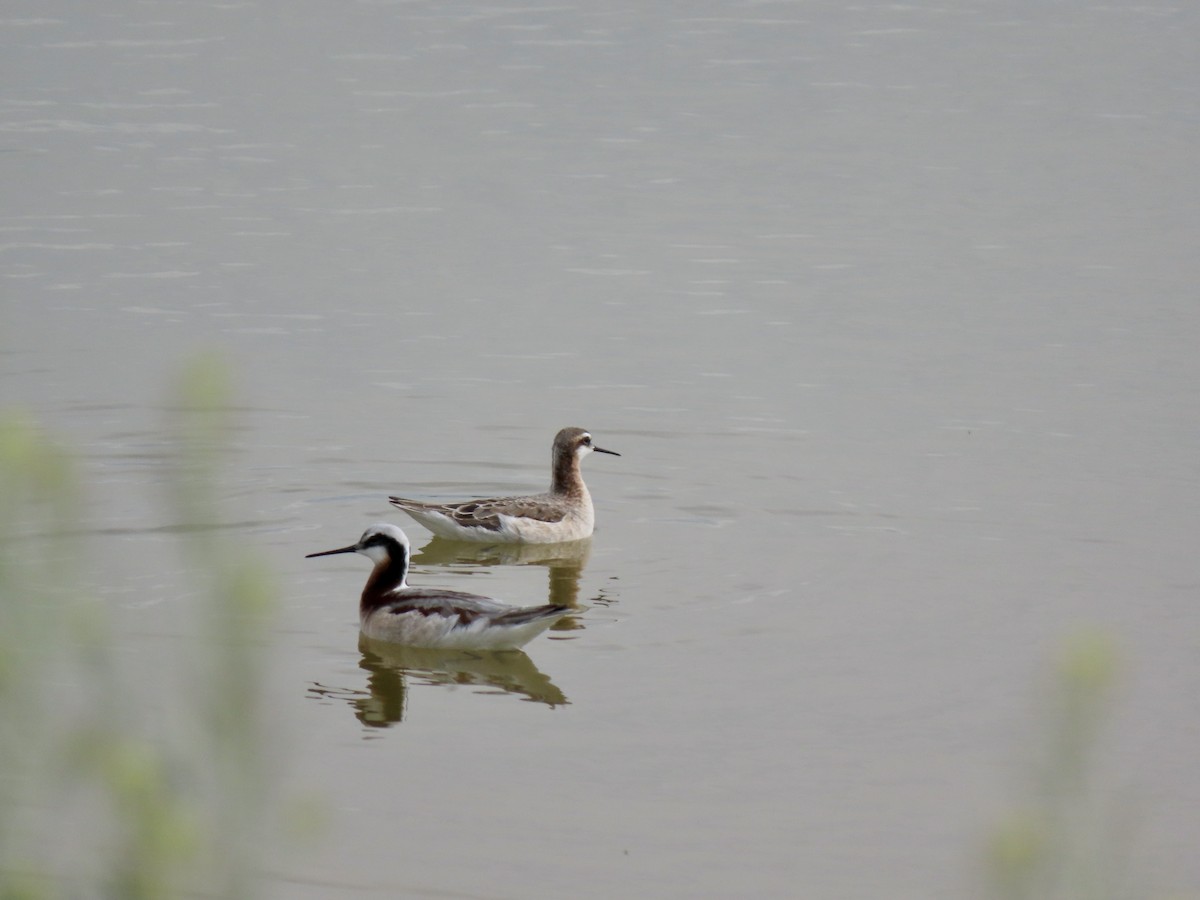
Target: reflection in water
391,668
565,563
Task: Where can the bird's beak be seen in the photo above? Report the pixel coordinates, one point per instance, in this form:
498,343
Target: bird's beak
353,548
602,450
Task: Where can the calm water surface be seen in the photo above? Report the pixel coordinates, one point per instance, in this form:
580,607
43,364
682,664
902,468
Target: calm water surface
891,311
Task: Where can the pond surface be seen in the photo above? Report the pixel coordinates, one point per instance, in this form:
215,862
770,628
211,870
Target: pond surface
890,309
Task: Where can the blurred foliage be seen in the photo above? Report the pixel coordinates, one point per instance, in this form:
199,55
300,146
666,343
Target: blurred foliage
160,814
1064,841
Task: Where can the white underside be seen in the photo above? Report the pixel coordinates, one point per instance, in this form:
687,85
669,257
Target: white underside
513,530
416,629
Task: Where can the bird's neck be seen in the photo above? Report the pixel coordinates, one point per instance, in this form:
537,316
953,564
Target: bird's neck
388,577
567,481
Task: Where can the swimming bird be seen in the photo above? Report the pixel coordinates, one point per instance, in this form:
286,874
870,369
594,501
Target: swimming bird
564,513
392,611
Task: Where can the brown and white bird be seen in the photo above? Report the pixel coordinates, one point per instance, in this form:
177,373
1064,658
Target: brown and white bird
563,513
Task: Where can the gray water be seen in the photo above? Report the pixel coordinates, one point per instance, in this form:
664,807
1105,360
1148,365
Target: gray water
891,311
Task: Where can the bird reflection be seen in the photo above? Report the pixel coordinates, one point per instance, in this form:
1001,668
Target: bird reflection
392,668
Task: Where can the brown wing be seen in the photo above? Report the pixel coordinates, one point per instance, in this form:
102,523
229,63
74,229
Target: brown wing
486,513
480,512
472,515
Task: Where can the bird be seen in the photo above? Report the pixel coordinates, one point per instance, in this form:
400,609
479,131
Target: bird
392,611
563,513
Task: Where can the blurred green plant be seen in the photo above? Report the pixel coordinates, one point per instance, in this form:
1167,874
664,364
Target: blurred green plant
1064,842
36,486
166,814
